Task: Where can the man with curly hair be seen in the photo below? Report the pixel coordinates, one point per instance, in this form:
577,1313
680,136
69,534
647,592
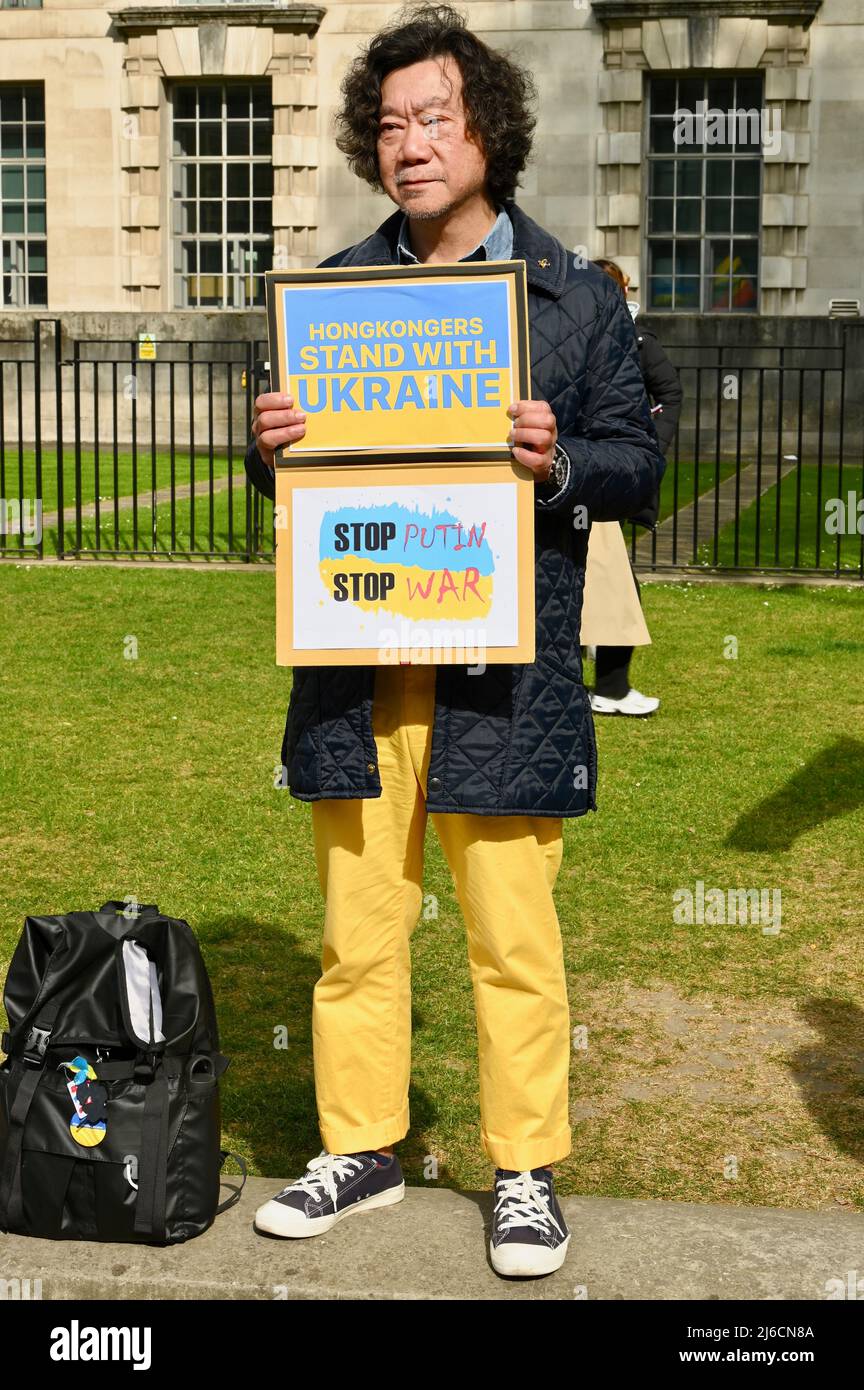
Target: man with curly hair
443,125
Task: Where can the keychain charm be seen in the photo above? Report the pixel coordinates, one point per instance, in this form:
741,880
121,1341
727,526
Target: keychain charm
90,1098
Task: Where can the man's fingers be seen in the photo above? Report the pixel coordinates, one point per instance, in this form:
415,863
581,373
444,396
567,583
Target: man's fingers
538,439
278,419
273,400
288,435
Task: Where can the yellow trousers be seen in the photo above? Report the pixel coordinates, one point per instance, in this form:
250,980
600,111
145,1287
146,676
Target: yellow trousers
369,854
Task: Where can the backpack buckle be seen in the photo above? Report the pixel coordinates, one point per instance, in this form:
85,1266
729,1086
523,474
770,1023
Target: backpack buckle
144,1069
35,1046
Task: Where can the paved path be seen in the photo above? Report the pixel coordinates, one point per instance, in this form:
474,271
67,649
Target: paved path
434,1245
163,494
724,498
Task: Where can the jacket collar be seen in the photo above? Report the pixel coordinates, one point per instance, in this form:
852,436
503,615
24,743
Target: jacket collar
545,257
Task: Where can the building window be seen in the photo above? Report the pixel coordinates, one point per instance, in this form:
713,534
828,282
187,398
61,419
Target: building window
22,195
222,191
704,193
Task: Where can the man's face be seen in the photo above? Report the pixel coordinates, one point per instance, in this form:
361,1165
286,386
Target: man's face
427,163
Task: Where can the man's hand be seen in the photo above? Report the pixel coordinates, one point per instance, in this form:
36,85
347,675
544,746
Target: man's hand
276,423
533,436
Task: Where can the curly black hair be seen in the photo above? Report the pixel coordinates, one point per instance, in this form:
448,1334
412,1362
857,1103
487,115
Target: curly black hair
498,96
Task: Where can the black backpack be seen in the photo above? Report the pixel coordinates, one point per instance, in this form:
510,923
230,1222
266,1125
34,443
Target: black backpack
109,1096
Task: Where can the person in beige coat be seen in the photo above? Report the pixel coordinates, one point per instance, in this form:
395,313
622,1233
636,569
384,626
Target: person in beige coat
613,623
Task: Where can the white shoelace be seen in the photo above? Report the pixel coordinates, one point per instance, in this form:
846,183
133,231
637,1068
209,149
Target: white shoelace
527,1203
321,1174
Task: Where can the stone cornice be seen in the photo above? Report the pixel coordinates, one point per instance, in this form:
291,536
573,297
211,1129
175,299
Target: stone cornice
778,11
138,19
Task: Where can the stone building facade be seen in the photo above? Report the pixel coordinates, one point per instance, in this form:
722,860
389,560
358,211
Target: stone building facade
110,76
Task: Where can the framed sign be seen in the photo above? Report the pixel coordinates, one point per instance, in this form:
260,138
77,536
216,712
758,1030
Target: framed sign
402,364
426,563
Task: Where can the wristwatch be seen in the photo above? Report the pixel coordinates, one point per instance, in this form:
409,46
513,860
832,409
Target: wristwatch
560,467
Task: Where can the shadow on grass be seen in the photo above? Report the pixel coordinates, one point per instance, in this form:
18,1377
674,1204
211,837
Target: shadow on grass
830,785
830,1073
263,979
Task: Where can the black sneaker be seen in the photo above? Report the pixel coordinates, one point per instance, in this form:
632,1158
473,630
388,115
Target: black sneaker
529,1233
333,1186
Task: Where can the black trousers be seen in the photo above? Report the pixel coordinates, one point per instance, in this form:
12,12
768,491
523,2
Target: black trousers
612,671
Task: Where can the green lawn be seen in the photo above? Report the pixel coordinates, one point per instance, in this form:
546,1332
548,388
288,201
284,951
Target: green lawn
133,476
706,1044
777,546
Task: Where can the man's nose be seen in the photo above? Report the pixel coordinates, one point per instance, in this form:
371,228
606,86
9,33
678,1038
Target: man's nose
416,145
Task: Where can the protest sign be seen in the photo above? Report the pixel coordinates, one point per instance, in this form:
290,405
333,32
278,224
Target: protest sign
400,363
417,564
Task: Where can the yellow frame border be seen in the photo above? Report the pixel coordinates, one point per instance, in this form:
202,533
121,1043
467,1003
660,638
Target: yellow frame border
386,475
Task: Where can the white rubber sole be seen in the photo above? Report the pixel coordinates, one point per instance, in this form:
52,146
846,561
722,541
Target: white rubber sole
278,1220
527,1261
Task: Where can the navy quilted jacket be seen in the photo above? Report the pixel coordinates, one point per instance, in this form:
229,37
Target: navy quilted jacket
516,740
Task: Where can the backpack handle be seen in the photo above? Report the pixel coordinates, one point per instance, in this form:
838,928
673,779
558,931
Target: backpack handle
121,909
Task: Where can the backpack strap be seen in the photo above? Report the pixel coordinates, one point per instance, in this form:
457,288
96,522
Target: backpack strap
153,1160
31,1065
235,1196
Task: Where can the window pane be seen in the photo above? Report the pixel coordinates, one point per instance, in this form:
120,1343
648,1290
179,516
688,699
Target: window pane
717,293
721,93
744,294
238,180
687,257
262,138
719,261
35,140
35,181
210,180
748,92
660,212
262,103
13,217
661,253
36,256
210,103
662,177
746,215
35,103
717,215
209,139
719,178
748,130
188,220
690,178
238,137
262,180
686,292
12,182
184,103
12,104
237,101
262,216
238,216
745,257
184,138
688,215
185,180
210,215
690,90
38,290
36,217
661,137
746,177
13,141
659,292
662,96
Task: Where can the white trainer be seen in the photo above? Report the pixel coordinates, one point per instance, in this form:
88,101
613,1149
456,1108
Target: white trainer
333,1186
634,703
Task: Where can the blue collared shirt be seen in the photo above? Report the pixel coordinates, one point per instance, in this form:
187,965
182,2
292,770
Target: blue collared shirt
497,245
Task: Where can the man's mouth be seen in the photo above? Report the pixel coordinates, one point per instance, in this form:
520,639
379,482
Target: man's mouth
417,183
